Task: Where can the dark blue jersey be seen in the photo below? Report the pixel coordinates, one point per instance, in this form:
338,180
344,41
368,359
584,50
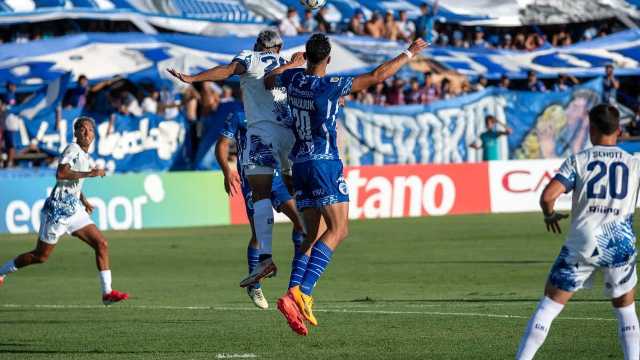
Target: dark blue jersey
314,104
235,128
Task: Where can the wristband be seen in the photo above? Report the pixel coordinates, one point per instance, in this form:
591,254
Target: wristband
408,53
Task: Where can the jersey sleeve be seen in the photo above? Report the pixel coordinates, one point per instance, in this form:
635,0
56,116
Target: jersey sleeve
284,79
70,154
244,58
343,84
230,127
567,174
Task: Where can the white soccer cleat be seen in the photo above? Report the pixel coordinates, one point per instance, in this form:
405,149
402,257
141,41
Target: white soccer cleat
258,298
266,268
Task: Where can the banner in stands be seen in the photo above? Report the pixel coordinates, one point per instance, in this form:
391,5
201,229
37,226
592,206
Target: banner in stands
545,125
123,202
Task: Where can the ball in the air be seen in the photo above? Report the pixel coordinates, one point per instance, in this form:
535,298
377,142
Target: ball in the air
313,4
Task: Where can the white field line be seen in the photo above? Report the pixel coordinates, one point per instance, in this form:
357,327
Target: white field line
328,310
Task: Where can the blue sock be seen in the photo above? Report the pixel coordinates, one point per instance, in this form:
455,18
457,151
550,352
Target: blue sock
320,258
253,258
297,238
298,268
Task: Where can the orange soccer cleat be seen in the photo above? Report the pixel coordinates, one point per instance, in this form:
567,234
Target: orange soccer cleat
289,309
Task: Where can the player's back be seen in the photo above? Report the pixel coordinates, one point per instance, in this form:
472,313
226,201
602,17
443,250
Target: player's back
260,104
605,182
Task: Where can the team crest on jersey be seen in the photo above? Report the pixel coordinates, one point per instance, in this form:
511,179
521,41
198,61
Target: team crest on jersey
334,79
342,186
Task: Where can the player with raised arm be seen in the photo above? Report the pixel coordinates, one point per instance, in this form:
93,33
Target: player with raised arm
605,181
235,182
269,139
67,210
321,190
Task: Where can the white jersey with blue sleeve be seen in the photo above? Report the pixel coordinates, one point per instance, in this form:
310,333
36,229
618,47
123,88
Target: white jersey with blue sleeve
260,104
605,182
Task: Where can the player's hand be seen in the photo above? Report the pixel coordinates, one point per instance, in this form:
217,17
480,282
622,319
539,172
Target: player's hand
297,59
417,46
552,222
232,183
180,76
97,172
88,207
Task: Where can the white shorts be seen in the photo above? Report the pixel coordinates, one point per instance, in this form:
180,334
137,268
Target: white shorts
571,273
267,149
50,232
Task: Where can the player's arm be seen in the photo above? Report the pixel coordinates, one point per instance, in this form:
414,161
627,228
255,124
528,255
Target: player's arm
231,177
87,205
297,60
218,73
388,69
548,199
64,172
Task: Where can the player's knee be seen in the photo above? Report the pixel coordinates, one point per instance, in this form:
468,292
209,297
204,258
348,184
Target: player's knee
343,232
102,246
40,257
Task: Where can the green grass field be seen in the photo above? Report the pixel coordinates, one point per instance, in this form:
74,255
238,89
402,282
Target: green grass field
459,287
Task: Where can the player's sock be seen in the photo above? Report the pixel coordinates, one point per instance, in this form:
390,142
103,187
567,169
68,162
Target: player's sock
318,262
263,223
297,237
538,328
300,260
105,281
8,268
628,331
253,258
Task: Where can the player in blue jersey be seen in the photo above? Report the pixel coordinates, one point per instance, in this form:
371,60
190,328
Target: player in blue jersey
235,182
321,190
605,182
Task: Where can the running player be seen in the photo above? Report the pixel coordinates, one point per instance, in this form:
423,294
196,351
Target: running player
321,190
604,181
269,139
235,129
67,210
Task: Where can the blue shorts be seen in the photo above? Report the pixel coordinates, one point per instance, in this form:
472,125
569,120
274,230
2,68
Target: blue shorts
279,194
319,183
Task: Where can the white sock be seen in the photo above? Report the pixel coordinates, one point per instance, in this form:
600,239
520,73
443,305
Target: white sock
263,223
628,331
538,328
8,268
105,281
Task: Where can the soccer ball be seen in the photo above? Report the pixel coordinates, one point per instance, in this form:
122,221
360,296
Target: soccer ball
313,4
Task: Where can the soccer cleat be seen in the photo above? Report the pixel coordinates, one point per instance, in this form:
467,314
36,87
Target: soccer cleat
257,297
287,306
266,268
2,279
113,297
304,303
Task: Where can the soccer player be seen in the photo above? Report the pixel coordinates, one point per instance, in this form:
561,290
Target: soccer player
321,190
235,129
67,210
269,139
604,180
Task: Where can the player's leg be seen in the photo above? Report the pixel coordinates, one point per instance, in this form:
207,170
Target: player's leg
253,258
621,288
94,238
36,256
312,220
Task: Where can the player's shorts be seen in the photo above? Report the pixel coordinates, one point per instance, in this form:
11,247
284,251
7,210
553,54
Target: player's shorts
267,149
571,272
279,194
53,225
319,183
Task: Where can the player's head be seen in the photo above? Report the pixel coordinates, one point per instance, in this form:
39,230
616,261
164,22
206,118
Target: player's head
318,50
268,40
604,122
83,129
490,121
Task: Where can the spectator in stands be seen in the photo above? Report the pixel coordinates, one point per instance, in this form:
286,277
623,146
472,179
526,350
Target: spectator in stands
610,85
290,25
507,42
458,40
406,28
520,42
396,94
534,41
632,129
356,24
227,94
426,21
505,82
489,139
10,96
481,84
323,25
589,33
430,90
309,23
76,97
379,98
565,82
562,38
7,148
478,38
414,95
446,90
123,103
365,97
390,27
151,102
375,26
533,84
